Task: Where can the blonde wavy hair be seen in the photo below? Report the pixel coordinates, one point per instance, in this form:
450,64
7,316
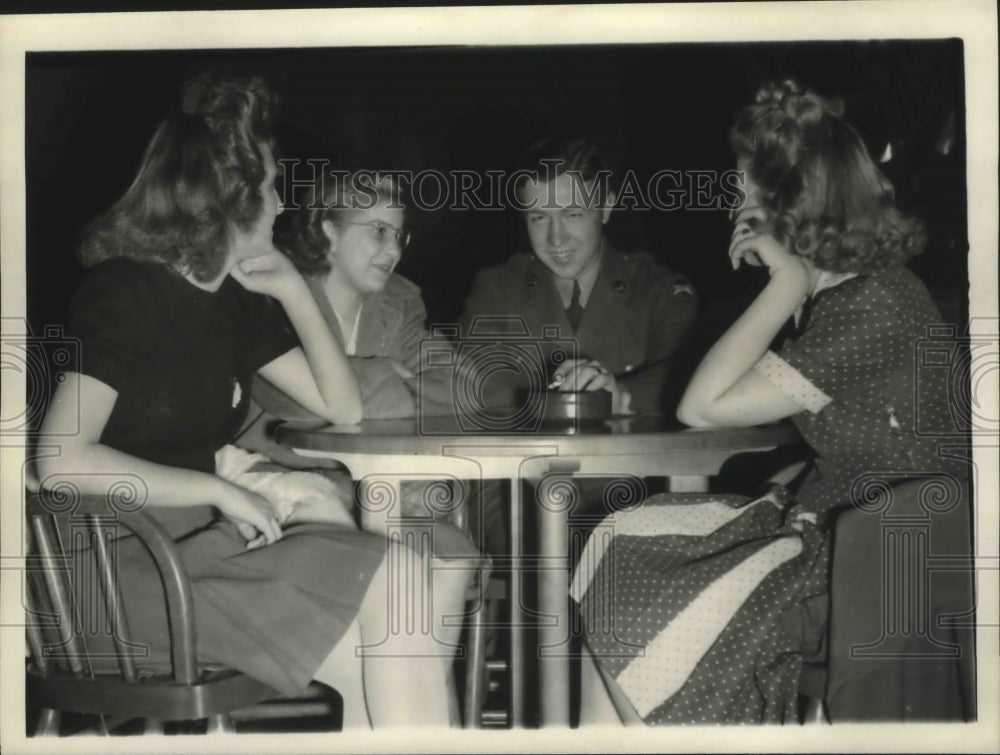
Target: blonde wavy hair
825,196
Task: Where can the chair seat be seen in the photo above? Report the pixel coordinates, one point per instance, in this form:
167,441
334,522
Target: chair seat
190,692
158,697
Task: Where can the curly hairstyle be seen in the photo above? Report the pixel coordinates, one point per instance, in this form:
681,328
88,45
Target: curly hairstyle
336,195
824,194
199,178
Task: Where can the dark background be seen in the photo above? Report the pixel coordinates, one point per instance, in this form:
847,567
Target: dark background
648,107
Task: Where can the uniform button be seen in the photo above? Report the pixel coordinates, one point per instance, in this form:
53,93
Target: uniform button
532,280
619,286
629,367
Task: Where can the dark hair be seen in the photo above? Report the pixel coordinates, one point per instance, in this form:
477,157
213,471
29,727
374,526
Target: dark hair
825,195
333,197
199,176
558,155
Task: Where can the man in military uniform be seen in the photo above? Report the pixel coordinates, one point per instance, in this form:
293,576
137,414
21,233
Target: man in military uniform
634,314
623,315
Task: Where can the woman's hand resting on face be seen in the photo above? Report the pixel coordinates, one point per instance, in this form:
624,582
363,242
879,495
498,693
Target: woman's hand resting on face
273,274
755,246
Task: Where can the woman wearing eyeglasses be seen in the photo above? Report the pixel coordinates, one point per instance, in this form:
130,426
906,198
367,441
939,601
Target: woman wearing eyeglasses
347,240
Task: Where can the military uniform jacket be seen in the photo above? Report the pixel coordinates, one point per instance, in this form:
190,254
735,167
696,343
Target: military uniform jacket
636,317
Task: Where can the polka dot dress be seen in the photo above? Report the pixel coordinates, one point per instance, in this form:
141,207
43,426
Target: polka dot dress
862,349
696,604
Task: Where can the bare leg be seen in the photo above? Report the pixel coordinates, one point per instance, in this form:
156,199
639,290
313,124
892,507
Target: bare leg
450,583
601,700
342,670
408,653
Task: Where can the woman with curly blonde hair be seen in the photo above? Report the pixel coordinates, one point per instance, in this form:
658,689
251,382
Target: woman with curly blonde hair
701,608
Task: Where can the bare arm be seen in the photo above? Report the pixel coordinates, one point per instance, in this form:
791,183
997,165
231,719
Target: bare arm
91,466
725,390
318,375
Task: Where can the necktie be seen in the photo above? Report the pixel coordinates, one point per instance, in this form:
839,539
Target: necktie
574,311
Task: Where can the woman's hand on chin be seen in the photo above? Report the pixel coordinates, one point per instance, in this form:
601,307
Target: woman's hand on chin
270,273
761,249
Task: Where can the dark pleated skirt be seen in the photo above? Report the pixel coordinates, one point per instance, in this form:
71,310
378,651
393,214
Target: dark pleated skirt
274,613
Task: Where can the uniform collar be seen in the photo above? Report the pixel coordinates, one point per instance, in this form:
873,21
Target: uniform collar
586,280
611,282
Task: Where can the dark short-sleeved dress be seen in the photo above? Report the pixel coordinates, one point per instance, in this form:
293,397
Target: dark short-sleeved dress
181,360
695,604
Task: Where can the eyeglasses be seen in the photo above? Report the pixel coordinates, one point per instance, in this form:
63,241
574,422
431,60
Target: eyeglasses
383,232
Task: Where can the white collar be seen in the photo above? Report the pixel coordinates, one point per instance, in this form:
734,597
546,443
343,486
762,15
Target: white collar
350,330
824,280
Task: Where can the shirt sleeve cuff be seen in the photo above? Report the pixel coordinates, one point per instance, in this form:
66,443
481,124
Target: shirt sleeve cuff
791,382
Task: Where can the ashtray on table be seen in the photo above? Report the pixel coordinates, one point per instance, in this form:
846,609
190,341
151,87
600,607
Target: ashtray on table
574,407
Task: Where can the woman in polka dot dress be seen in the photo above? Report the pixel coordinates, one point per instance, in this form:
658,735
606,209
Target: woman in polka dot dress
699,609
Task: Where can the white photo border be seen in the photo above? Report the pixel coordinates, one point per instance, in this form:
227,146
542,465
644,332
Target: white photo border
974,21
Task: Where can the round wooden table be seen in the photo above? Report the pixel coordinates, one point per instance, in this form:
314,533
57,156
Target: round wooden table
387,452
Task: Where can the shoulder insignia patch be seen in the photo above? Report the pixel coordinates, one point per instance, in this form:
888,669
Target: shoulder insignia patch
681,286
